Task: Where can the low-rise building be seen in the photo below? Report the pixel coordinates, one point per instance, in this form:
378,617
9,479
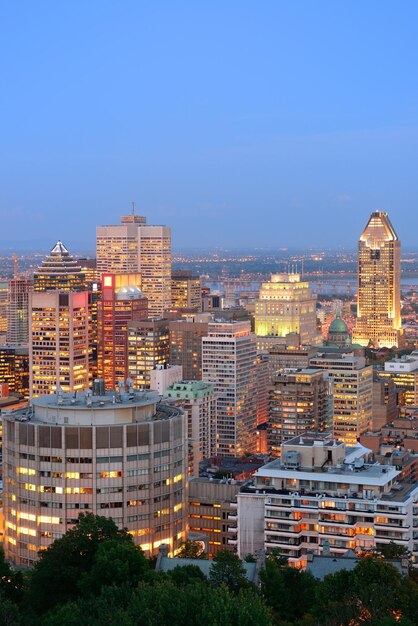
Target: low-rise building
320,490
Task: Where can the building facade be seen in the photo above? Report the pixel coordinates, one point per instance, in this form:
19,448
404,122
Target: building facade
148,346
186,290
59,271
123,460
298,402
121,302
228,364
286,305
351,390
186,344
321,492
18,311
379,284
60,350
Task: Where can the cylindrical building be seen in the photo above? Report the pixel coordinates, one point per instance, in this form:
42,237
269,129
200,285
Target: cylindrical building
122,455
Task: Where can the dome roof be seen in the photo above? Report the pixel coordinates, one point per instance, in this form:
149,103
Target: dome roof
338,326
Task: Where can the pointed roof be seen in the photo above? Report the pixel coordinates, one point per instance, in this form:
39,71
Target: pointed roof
378,230
59,250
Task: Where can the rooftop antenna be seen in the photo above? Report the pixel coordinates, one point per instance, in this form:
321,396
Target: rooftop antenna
133,208
15,266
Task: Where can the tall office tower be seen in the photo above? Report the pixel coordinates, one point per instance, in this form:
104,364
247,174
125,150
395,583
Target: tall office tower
60,349
18,311
122,301
298,402
154,256
59,271
4,290
379,279
124,460
14,368
148,346
284,357
134,247
286,305
351,388
117,246
198,400
186,290
228,364
186,344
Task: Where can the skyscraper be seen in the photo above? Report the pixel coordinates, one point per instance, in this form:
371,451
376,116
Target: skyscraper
379,278
186,344
186,290
228,364
148,346
122,301
286,305
132,247
18,311
60,271
60,350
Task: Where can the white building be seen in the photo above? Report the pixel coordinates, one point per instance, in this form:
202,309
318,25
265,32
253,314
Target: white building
163,376
351,388
320,490
229,353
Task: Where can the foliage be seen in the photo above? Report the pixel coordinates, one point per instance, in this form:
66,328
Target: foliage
228,569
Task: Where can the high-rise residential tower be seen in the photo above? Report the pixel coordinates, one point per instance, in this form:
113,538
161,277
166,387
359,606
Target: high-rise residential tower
286,305
379,278
18,311
132,247
229,355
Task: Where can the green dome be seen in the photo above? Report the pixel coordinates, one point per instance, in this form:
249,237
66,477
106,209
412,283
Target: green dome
338,326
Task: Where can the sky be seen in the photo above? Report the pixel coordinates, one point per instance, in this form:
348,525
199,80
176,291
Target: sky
239,123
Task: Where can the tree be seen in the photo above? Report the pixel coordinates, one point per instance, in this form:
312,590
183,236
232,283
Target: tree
288,591
228,569
61,569
186,574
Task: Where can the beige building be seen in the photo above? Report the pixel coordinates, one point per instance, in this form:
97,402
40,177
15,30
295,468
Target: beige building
120,455
379,284
186,290
351,390
60,347
286,305
132,247
213,513
229,364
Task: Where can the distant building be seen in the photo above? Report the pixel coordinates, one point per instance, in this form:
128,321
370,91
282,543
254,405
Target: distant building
124,460
14,369
288,357
198,400
186,290
18,311
286,305
351,388
59,272
186,344
403,371
379,284
60,350
122,301
134,247
228,364
163,376
148,346
298,402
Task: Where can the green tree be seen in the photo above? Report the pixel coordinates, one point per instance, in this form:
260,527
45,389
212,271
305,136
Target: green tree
228,569
288,591
186,574
57,576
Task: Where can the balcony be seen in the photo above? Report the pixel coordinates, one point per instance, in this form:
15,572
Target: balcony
232,542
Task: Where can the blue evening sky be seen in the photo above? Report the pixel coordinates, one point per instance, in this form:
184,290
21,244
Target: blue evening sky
238,123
